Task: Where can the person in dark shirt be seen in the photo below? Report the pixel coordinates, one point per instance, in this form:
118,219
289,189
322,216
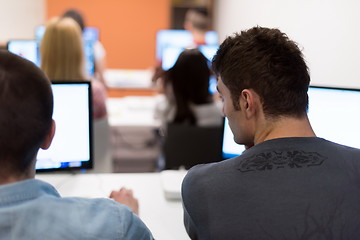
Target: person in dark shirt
289,183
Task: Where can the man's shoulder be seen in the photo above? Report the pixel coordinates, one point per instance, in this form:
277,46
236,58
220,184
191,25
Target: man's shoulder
200,175
104,217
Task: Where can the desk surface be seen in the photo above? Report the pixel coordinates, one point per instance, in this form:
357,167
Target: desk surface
133,111
163,217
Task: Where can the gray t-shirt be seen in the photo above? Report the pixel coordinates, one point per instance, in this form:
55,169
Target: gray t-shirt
287,188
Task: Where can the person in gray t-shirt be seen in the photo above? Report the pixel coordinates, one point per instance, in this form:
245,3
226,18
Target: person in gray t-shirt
289,183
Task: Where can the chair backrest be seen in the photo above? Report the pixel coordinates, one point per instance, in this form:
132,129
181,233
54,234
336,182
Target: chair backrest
102,147
187,146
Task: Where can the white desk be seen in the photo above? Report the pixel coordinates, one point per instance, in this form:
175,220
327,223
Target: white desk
132,129
164,218
133,111
128,78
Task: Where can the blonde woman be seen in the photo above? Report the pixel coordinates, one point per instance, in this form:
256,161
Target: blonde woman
62,59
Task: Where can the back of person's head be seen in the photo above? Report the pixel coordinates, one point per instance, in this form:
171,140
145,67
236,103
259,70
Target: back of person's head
76,16
26,105
189,80
198,19
268,62
62,56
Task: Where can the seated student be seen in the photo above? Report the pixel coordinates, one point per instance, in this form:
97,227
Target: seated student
197,23
62,58
99,50
289,184
188,100
33,209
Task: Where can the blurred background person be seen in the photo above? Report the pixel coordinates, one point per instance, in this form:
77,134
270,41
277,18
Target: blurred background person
62,59
197,23
187,97
98,48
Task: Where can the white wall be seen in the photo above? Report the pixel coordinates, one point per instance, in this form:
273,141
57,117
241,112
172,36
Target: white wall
327,30
19,18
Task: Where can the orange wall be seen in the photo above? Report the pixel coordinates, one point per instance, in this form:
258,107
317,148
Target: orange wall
127,27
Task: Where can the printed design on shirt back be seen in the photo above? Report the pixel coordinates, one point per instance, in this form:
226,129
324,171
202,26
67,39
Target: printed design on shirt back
281,159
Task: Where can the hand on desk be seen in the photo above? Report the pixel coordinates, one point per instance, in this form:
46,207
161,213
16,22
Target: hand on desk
126,197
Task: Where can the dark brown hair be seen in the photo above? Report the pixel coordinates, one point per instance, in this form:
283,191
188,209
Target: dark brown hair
268,62
26,106
76,16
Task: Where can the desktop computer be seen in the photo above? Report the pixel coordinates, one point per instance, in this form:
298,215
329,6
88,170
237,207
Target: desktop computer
27,49
71,147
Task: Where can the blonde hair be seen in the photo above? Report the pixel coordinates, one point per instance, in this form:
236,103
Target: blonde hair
62,56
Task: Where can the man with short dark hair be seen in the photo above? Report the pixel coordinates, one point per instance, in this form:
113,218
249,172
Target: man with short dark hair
288,184
30,208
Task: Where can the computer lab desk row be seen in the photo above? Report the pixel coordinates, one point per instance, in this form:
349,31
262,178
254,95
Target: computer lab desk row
163,217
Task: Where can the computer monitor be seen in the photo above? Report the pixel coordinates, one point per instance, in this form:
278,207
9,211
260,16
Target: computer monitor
171,53
90,35
230,148
333,113
25,48
180,38
71,147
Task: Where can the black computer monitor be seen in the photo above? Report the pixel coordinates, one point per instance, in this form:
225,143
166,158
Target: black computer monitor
334,115
90,36
71,147
25,48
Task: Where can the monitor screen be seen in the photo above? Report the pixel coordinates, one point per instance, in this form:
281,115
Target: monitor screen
71,147
90,35
181,39
230,148
171,53
333,113
25,48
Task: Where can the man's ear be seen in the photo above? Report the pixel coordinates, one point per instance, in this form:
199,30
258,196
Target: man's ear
49,137
248,102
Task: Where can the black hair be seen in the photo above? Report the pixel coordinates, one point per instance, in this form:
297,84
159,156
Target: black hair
189,79
77,16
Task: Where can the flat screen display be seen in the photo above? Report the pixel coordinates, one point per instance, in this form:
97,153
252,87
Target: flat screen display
25,48
180,38
171,53
333,113
71,147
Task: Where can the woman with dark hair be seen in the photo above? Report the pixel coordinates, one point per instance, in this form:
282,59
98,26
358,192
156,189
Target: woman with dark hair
187,96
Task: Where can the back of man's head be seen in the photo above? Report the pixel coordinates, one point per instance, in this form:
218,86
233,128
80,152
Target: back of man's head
26,106
271,64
